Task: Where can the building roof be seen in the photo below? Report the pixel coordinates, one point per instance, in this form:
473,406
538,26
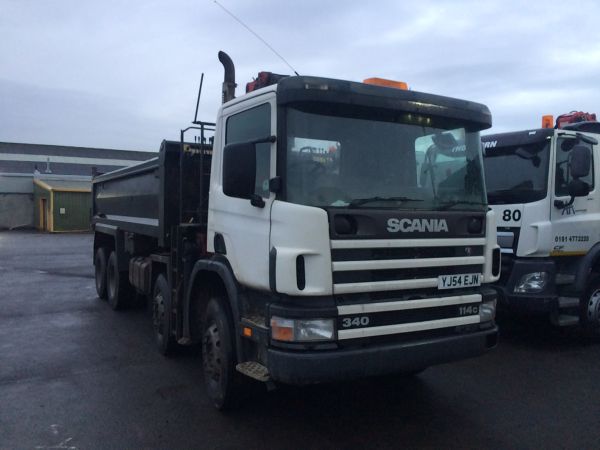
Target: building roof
65,150
65,160
64,185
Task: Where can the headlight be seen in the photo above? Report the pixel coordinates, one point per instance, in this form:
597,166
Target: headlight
487,311
301,330
532,282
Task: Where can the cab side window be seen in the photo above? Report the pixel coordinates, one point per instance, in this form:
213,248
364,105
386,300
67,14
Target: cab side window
251,125
563,172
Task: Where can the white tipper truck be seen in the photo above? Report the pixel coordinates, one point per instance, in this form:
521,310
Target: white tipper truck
308,242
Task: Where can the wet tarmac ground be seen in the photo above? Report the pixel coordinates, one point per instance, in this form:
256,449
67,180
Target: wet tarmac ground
75,374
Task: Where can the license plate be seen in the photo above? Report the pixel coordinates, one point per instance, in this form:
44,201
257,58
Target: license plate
459,281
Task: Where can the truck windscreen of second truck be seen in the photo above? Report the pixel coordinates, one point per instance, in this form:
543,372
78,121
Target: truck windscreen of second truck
355,161
516,174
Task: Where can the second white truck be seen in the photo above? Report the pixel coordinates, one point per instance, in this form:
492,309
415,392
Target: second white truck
543,186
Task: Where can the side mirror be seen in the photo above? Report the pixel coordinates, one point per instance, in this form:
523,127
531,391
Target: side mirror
580,161
578,188
239,170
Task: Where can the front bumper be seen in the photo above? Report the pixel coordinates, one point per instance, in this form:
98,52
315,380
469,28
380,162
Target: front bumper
342,364
542,302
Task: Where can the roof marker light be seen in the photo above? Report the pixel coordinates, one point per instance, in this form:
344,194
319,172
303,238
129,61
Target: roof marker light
548,121
387,83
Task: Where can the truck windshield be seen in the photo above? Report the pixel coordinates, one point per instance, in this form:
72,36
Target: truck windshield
376,160
517,174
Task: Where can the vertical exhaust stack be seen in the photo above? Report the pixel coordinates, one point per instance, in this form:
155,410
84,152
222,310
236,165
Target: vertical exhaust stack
229,78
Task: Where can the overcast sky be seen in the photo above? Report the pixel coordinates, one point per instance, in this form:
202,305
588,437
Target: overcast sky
124,74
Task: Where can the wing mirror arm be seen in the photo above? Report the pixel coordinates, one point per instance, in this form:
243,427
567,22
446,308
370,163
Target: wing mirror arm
577,188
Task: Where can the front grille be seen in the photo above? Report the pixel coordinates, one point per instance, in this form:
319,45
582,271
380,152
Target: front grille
390,287
412,315
399,265
407,316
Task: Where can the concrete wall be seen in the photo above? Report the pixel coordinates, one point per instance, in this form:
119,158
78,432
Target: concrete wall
16,183
16,211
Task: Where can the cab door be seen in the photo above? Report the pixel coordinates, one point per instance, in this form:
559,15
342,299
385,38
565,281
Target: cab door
572,226
237,228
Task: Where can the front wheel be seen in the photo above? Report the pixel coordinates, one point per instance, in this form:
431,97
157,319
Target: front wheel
218,356
589,314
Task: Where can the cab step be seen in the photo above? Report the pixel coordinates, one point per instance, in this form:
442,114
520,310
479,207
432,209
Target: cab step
565,320
568,302
564,278
254,370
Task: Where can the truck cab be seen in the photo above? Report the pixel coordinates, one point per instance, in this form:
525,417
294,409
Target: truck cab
355,218
542,185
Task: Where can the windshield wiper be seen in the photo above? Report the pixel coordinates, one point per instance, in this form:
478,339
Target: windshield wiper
459,202
361,201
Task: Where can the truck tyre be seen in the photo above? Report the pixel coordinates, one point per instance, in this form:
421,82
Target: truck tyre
117,284
161,315
100,272
589,314
218,355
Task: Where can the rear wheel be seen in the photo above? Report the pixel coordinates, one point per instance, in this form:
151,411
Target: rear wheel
100,272
161,315
218,355
589,308
117,284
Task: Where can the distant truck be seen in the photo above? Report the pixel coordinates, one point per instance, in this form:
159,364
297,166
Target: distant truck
308,244
542,184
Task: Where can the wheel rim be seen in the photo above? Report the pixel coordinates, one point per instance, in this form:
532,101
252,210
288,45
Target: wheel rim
158,313
593,308
212,356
